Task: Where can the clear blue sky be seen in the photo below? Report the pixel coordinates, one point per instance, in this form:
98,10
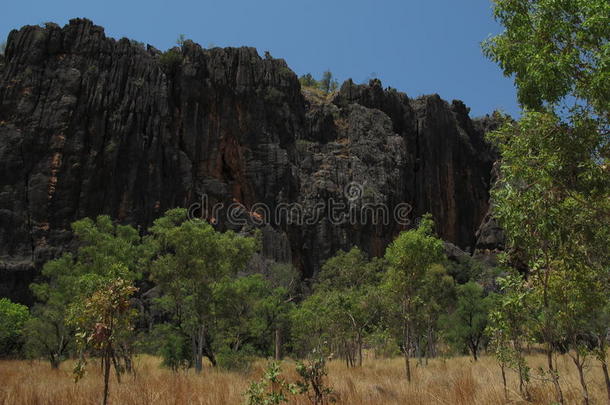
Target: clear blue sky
416,46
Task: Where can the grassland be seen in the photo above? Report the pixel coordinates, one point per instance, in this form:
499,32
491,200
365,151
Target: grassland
456,381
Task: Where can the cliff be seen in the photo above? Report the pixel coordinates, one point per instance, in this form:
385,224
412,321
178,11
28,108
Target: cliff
92,125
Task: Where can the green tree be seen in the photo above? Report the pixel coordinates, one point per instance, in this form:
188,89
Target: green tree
188,258
105,248
466,325
410,258
344,308
13,318
349,270
509,328
284,280
175,349
553,199
307,80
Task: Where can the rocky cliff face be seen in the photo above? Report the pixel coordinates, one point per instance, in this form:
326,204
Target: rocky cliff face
90,125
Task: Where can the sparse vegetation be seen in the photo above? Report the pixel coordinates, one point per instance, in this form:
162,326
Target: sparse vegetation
171,59
456,381
327,83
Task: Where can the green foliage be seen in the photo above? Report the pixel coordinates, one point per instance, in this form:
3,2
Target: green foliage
327,84
190,260
272,389
171,59
348,270
175,347
236,360
307,80
312,383
2,48
415,287
465,327
13,318
509,327
554,196
107,251
344,308
554,48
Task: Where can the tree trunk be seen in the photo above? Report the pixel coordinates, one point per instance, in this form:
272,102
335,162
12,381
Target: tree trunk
106,367
407,364
278,344
601,357
554,376
606,378
580,362
359,350
197,363
54,360
504,381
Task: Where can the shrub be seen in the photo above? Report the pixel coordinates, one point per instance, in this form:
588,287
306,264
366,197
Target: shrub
170,59
12,320
235,360
175,350
272,389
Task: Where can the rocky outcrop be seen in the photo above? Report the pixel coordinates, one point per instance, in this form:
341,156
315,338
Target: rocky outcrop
91,125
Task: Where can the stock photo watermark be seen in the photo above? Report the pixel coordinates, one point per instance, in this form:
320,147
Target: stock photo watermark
350,210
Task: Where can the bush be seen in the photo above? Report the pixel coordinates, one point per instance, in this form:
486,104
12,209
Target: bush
236,360
170,60
308,80
272,389
175,349
12,320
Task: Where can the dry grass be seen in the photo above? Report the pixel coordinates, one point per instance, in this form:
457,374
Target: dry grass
457,381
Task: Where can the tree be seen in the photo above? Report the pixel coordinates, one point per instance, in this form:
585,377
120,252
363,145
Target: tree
554,49
328,83
284,280
187,258
344,307
307,80
102,320
465,327
348,270
104,249
510,320
13,318
553,197
410,257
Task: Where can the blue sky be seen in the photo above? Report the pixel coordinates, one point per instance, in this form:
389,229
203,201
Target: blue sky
416,46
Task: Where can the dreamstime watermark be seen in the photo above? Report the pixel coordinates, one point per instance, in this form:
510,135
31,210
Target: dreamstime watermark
350,210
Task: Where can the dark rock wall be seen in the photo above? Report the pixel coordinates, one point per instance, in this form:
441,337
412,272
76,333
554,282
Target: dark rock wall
91,125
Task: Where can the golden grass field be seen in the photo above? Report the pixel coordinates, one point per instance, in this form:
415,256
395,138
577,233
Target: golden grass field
456,381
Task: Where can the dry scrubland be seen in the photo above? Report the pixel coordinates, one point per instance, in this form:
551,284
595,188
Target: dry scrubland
454,381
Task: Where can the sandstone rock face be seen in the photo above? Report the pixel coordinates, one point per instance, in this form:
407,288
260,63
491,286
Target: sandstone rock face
90,125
